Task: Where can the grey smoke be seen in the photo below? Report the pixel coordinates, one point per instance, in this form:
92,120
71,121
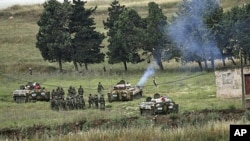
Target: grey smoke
190,22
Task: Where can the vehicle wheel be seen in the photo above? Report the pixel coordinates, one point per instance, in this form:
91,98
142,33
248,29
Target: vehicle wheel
17,99
14,98
153,111
23,99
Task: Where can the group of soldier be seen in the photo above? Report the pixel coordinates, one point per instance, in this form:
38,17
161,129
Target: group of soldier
94,102
75,99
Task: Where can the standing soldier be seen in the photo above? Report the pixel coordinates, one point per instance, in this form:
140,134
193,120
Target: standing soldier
102,102
74,91
100,88
104,68
53,93
62,92
96,101
70,91
90,100
80,90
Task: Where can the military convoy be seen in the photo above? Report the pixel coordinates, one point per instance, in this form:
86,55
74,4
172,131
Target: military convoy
31,92
158,105
123,91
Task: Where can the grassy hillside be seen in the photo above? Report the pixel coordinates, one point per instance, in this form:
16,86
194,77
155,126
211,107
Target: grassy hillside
18,36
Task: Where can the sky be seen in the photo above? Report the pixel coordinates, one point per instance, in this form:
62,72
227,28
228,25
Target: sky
7,3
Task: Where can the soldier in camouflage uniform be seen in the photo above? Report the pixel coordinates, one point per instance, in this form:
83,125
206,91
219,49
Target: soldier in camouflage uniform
102,102
62,93
70,93
73,91
82,102
80,90
100,88
90,101
96,101
53,94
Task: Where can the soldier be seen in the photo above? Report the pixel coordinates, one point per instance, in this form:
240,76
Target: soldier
96,101
74,91
82,102
62,92
104,68
69,91
53,93
100,88
90,100
80,90
102,102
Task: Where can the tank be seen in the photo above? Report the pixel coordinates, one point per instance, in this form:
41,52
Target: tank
158,105
31,92
123,91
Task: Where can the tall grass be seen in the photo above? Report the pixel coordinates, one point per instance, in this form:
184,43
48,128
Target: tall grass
212,131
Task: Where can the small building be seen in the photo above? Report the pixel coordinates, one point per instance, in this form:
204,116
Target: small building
229,82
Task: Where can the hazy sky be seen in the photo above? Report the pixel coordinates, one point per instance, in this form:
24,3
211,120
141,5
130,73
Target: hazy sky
8,3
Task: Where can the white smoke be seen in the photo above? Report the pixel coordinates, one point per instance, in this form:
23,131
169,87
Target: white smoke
150,71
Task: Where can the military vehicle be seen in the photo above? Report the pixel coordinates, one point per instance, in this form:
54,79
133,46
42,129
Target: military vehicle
158,105
31,92
123,91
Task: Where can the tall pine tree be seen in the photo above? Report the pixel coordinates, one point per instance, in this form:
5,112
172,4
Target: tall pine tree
125,43
86,42
156,39
53,38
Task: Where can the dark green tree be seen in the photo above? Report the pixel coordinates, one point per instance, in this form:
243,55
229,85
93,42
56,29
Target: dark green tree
53,37
114,11
155,41
86,41
236,32
125,43
242,30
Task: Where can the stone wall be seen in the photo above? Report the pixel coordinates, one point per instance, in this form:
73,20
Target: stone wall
228,82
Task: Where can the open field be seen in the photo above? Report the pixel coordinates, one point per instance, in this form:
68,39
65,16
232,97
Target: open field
191,89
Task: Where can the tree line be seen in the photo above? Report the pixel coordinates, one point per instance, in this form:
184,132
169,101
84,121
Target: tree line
200,31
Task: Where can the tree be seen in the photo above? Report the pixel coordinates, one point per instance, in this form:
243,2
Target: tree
242,30
190,34
53,38
236,27
156,40
86,48
217,26
125,43
113,14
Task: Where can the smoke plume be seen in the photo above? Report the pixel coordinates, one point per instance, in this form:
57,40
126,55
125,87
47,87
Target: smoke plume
150,71
189,32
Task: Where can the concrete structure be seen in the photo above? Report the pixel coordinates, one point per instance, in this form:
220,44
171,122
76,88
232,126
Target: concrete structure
229,83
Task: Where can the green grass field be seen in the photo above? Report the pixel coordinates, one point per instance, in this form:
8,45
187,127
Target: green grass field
191,89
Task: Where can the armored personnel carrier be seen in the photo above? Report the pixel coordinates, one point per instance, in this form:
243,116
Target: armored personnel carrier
158,105
31,92
123,91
